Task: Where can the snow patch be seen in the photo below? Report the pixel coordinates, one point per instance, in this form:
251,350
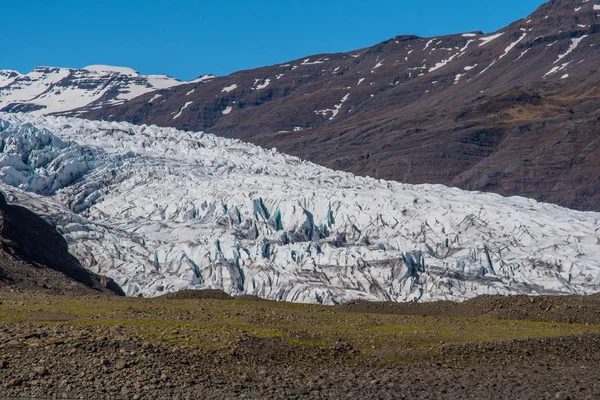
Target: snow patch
112,69
8,76
335,110
308,62
203,78
522,54
162,81
186,105
429,43
488,67
512,45
155,97
574,43
460,53
259,86
59,90
552,71
378,65
487,39
230,88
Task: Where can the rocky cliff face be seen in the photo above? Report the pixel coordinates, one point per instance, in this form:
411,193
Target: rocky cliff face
48,90
513,112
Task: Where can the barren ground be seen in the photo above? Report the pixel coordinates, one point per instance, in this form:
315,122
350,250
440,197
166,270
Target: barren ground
190,346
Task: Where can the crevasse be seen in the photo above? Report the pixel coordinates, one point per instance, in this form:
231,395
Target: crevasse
160,210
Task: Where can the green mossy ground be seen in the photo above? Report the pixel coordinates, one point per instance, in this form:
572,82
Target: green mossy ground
218,324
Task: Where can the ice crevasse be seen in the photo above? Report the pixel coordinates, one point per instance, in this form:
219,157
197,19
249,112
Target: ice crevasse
160,210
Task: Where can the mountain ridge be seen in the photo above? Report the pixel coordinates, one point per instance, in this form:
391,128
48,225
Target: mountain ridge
511,112
47,90
459,109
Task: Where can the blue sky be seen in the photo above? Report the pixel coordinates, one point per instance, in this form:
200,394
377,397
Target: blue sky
186,38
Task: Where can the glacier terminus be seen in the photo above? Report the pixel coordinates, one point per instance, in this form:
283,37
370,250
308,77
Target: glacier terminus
160,210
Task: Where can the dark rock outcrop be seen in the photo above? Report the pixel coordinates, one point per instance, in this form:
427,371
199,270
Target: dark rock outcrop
33,255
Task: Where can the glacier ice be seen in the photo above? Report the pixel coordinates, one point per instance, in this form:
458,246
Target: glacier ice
160,210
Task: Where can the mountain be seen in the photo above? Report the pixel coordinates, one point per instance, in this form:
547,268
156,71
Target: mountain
48,90
34,256
159,210
513,112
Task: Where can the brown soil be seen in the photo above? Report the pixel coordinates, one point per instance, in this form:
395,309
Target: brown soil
197,294
565,309
212,349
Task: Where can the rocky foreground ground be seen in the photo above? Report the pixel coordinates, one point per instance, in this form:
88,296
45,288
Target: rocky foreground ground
186,346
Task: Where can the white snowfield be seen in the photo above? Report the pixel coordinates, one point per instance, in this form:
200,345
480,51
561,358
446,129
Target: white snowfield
48,90
160,210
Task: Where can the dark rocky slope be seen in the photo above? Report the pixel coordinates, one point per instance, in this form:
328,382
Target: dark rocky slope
515,112
33,255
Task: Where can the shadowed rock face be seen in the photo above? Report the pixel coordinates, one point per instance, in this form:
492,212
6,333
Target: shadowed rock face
31,245
513,112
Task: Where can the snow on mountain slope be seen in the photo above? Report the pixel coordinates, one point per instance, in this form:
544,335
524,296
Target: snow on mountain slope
472,110
111,69
48,90
8,76
160,210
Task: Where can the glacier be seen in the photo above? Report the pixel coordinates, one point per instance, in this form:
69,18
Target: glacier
160,210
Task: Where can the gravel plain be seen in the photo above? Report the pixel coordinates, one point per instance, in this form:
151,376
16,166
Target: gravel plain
188,347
